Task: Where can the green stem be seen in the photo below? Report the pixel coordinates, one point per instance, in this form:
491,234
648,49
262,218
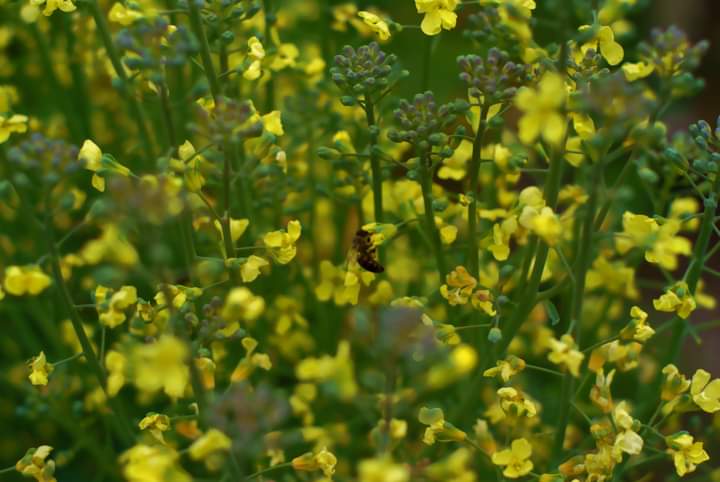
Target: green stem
426,177
227,234
582,264
7,470
123,426
199,31
269,469
374,162
136,109
544,370
474,174
270,85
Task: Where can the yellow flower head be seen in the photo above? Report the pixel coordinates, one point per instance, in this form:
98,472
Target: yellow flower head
676,299
156,463
705,393
376,24
16,123
516,459
162,366
565,352
282,243
211,442
674,383
25,280
637,329
439,14
40,369
438,429
506,369
603,41
34,464
309,462
542,110
686,453
156,424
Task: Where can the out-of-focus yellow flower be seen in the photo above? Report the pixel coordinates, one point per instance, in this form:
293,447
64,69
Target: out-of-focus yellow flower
34,464
676,299
516,459
119,13
16,123
660,243
438,429
382,470
256,53
162,366
241,305
250,269
604,42
376,24
322,460
211,442
705,393
638,70
564,352
116,364
52,5
272,122
156,463
22,280
686,453
439,15
515,404
285,57
155,424
112,311
506,368
282,243
541,107
338,369
40,369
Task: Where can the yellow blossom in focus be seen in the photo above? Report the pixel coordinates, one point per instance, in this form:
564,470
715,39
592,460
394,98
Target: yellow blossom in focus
516,459
250,269
439,14
676,299
34,464
437,428
282,243
603,41
322,460
376,24
705,393
156,424
506,369
637,329
40,369
686,453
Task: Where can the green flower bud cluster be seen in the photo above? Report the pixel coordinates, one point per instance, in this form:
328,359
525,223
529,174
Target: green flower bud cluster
363,72
494,79
228,120
487,28
423,123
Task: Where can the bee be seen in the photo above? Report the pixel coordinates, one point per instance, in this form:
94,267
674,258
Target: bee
366,253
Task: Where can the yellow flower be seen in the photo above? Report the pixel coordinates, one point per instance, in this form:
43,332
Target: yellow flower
52,5
604,41
507,368
516,459
272,122
638,70
705,393
674,383
626,440
338,369
382,470
376,24
116,363
119,13
40,369
676,299
565,352
459,286
541,109
660,243
514,403
21,280
162,366
686,453
157,463
637,329
156,424
14,124
250,269
439,14
256,52
211,442
241,305
285,57
438,429
112,311
323,460
282,244
600,393
99,164
34,464
194,180
502,233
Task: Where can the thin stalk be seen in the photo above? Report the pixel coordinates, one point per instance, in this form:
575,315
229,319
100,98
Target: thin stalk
199,31
123,426
474,174
167,116
269,469
227,234
270,84
374,162
582,264
426,176
135,107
